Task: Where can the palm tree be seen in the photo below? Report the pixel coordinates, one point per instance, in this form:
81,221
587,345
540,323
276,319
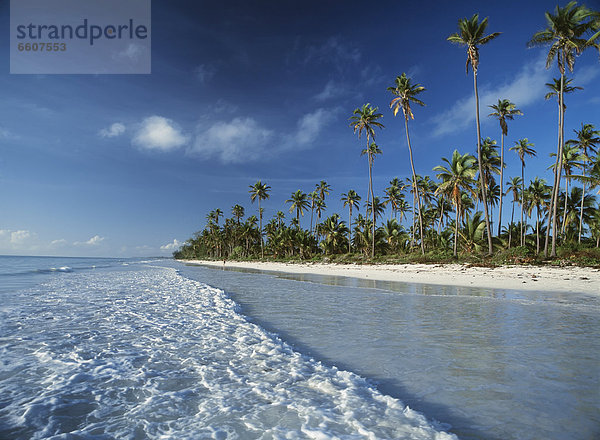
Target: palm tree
371,152
570,160
351,199
313,196
319,208
523,147
456,177
393,197
280,216
218,214
260,191
238,212
565,36
335,233
299,203
539,194
322,189
587,140
365,119
471,35
490,163
555,90
406,93
572,209
554,87
514,186
504,110
378,206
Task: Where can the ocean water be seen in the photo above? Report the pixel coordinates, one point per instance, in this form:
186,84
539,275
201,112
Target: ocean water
130,349
494,364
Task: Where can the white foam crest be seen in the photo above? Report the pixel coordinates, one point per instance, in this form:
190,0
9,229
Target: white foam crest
150,353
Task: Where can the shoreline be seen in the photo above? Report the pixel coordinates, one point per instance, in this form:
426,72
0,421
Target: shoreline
523,278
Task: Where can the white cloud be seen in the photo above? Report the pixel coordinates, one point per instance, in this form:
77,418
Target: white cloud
239,140
94,241
58,243
18,240
171,246
114,130
158,133
18,237
527,87
332,90
311,125
205,72
585,75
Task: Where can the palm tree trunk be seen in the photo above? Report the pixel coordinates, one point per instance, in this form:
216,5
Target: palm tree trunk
537,230
581,209
412,166
512,220
564,221
372,205
483,189
456,231
501,186
553,197
441,216
522,200
412,232
560,157
350,230
262,250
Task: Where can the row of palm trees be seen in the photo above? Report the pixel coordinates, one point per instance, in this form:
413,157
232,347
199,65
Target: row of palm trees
466,180
456,192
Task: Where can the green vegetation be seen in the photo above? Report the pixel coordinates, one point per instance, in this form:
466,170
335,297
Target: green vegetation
568,216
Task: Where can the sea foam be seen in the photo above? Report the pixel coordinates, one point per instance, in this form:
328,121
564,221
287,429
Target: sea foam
149,353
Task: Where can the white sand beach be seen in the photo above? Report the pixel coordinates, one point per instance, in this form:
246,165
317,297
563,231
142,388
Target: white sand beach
557,279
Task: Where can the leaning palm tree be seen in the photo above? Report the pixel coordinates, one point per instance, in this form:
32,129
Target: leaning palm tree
299,203
470,34
406,93
260,191
523,147
587,140
514,187
456,176
351,199
504,110
365,119
565,35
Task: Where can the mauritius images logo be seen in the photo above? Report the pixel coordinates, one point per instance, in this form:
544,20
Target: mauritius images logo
80,36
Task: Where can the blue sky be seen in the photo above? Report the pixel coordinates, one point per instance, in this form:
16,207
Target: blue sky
128,165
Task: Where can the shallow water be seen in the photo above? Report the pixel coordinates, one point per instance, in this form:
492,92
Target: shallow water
495,364
131,350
